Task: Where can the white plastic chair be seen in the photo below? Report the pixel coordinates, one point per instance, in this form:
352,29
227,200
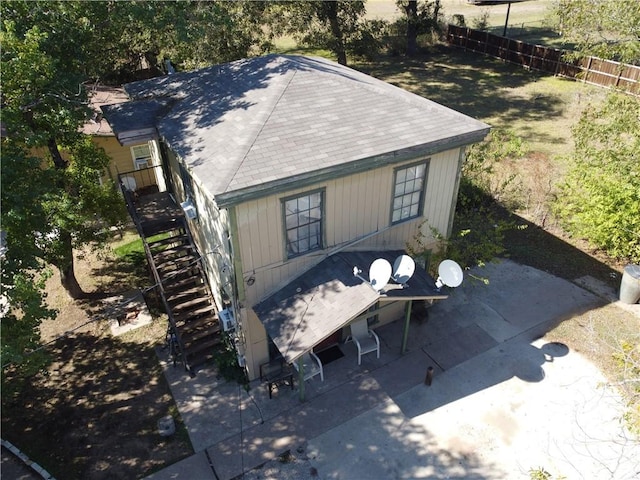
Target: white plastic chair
311,366
129,183
365,339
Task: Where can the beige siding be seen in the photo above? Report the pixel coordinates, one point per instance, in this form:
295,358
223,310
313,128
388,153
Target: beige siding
122,162
255,344
210,232
357,216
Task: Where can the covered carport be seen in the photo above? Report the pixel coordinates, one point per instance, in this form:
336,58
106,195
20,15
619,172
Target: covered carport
328,297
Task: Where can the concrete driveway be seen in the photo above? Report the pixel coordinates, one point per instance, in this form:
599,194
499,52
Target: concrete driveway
503,401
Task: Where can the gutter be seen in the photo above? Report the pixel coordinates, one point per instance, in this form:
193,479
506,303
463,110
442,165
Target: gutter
235,197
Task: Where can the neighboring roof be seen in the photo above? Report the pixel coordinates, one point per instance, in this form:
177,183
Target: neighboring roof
257,125
99,96
328,297
135,122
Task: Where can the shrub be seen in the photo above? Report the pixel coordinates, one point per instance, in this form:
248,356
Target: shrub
600,198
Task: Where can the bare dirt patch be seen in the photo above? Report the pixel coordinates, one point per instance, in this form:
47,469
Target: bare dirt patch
93,412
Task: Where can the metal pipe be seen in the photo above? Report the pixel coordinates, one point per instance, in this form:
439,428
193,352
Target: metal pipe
429,378
405,333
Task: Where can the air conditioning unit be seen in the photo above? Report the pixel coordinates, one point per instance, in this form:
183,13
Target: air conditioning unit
189,209
227,319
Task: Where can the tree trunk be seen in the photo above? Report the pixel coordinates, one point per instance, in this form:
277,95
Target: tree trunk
66,268
58,161
65,256
411,9
332,14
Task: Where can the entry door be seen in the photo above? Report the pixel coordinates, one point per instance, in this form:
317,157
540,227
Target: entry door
330,341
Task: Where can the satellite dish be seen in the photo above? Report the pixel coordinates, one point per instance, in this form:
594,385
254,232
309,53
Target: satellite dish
449,274
403,269
379,274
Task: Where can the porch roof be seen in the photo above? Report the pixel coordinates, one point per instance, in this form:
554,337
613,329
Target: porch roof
328,297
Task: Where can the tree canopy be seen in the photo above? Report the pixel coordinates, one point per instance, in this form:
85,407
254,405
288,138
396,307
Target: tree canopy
602,28
339,26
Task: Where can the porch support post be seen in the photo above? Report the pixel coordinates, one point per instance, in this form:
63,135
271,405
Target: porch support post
405,333
301,378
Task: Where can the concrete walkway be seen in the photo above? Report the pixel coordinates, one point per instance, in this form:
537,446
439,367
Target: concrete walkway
502,402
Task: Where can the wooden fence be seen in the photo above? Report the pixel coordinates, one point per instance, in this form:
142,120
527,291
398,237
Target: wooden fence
593,70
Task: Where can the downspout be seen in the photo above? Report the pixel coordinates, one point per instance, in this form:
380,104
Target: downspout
456,190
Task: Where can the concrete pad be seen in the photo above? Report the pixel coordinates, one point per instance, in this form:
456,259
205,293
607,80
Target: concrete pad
403,373
261,443
489,320
127,312
459,346
527,297
505,404
211,408
565,421
191,468
607,293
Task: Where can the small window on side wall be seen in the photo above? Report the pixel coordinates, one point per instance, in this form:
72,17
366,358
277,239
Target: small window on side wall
408,192
303,216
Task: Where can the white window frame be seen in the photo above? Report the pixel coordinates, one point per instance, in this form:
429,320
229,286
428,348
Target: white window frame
142,159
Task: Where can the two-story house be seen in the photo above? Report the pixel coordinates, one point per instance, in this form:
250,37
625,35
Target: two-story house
300,169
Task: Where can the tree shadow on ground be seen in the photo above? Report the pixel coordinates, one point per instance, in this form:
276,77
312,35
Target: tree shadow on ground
546,251
120,276
93,413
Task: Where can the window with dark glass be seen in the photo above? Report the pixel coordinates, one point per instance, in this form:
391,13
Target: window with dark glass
408,192
303,223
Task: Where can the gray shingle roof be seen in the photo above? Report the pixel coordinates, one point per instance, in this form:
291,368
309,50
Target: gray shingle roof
268,122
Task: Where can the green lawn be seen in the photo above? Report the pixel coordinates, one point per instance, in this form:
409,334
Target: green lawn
541,108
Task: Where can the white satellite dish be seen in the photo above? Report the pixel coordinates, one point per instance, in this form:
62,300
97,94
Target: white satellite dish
403,269
379,274
449,274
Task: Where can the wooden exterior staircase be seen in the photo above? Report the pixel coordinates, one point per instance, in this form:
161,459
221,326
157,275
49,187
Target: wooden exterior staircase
194,326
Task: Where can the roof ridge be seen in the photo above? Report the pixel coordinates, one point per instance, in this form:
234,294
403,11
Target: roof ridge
262,127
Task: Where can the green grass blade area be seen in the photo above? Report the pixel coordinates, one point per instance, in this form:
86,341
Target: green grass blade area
135,247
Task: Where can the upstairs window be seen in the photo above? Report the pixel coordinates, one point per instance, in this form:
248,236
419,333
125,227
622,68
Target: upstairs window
408,192
141,155
303,223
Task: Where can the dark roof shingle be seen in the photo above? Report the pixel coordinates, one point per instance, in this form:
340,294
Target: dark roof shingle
251,124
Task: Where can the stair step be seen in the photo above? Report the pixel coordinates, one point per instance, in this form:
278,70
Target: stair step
171,265
180,295
200,358
191,337
204,344
179,239
190,305
196,323
182,318
172,252
152,228
180,283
